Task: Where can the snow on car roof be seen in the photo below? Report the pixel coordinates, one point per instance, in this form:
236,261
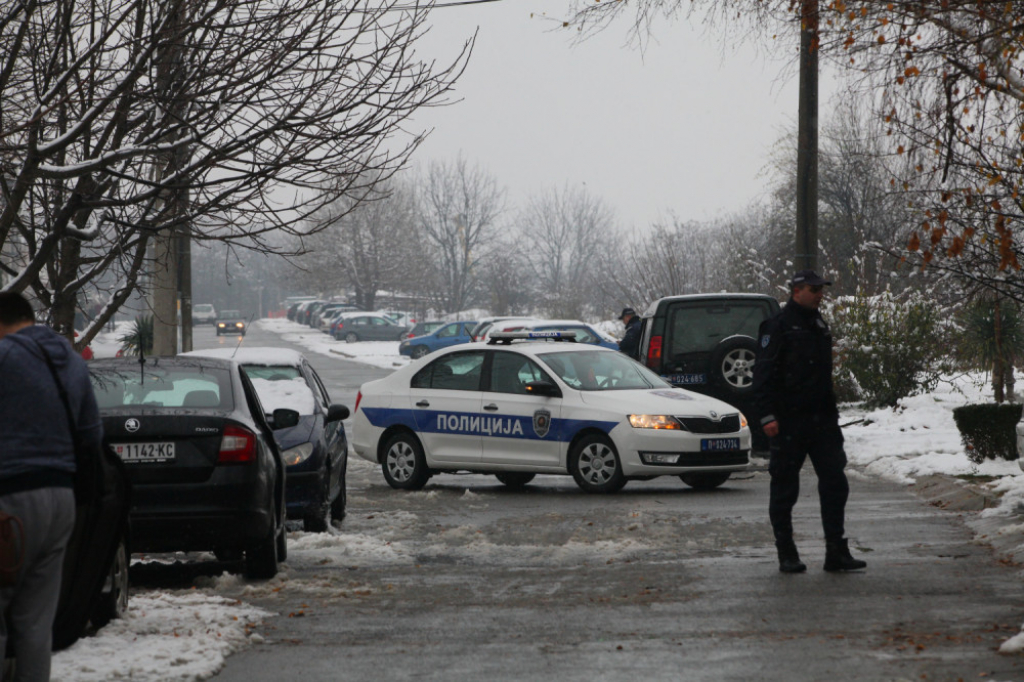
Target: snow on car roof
266,356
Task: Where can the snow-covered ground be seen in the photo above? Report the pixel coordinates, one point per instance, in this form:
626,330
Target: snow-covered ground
185,634
376,353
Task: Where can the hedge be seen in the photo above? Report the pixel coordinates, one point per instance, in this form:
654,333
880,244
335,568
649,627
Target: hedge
988,431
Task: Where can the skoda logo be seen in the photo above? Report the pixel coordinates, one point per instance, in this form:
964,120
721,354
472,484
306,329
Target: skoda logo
714,415
132,425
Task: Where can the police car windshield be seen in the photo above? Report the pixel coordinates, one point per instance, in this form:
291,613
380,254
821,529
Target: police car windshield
601,371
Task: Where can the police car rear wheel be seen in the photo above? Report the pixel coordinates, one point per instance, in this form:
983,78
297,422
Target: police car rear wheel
595,466
404,466
514,479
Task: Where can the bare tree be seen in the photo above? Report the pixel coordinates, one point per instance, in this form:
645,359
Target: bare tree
123,120
368,247
457,208
564,231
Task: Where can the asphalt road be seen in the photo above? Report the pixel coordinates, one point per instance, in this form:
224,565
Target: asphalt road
658,582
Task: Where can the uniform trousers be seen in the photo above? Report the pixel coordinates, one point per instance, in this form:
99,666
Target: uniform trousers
821,439
48,516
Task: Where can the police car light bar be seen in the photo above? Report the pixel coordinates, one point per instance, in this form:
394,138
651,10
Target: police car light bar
509,337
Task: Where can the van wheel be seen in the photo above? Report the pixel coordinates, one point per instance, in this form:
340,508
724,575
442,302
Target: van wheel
705,481
595,466
732,365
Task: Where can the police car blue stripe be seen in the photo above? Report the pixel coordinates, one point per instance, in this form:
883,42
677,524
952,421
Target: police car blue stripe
477,424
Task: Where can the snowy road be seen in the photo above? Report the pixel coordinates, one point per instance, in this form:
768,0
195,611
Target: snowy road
468,581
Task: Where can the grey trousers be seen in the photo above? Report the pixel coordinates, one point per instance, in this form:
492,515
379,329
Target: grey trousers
48,515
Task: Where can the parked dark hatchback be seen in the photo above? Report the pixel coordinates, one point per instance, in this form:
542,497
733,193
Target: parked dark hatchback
707,343
205,470
315,450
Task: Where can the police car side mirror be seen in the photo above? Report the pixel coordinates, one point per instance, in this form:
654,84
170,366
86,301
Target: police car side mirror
544,388
337,413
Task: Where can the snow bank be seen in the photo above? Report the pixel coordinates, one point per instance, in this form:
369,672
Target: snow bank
164,637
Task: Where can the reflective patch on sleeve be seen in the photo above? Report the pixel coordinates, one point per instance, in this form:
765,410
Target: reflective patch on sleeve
765,340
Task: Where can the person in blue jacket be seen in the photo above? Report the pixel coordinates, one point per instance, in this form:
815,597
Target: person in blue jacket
796,404
37,470
630,343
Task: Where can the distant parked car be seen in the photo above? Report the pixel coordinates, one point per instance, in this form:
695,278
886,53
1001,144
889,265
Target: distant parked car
354,327
584,332
205,469
203,313
423,328
448,335
315,450
230,322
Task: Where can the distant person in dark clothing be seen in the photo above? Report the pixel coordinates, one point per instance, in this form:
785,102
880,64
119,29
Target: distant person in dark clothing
630,343
797,409
37,470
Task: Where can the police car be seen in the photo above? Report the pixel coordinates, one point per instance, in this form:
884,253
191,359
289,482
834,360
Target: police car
520,405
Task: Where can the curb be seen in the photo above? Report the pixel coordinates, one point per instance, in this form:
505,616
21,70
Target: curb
954,494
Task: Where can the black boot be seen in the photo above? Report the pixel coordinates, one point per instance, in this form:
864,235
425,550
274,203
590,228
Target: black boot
789,558
838,557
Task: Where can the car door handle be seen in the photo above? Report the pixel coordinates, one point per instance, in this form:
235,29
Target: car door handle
423,403
491,408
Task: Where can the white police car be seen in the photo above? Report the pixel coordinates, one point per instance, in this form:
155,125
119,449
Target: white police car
521,409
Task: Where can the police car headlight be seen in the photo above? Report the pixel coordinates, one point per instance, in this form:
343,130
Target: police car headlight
298,454
654,421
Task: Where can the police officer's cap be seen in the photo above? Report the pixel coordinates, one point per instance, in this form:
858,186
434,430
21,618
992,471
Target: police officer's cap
627,311
808,277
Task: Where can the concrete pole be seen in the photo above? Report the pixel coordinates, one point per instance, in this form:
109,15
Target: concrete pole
806,255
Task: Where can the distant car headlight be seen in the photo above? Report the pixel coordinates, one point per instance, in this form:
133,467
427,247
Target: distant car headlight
298,454
239,324
404,344
220,324
654,421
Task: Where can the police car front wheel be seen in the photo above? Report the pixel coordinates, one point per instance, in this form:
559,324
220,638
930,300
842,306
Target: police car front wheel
595,465
404,466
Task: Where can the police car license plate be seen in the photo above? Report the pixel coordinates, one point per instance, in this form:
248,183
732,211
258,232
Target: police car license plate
717,444
145,452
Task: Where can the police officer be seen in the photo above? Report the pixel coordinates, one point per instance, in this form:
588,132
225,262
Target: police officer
630,343
796,404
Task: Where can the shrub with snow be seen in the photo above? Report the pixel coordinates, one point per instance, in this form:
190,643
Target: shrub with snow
888,346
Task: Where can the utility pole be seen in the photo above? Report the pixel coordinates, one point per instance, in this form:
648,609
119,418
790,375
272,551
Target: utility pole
807,141
172,281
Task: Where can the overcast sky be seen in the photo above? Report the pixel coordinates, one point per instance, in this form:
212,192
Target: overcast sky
681,127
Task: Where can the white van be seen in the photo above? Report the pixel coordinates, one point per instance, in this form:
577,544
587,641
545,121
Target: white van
203,313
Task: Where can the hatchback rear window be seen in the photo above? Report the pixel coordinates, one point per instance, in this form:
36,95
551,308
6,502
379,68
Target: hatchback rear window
699,327
170,387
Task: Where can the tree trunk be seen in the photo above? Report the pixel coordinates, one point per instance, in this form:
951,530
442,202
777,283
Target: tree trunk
998,374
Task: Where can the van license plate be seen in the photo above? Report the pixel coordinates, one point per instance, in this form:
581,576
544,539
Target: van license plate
145,452
718,444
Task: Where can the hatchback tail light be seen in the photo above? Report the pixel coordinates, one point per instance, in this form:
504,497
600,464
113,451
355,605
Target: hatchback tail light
237,446
359,396
654,353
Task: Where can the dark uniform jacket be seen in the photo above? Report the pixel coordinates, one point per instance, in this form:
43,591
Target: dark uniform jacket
793,371
630,343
